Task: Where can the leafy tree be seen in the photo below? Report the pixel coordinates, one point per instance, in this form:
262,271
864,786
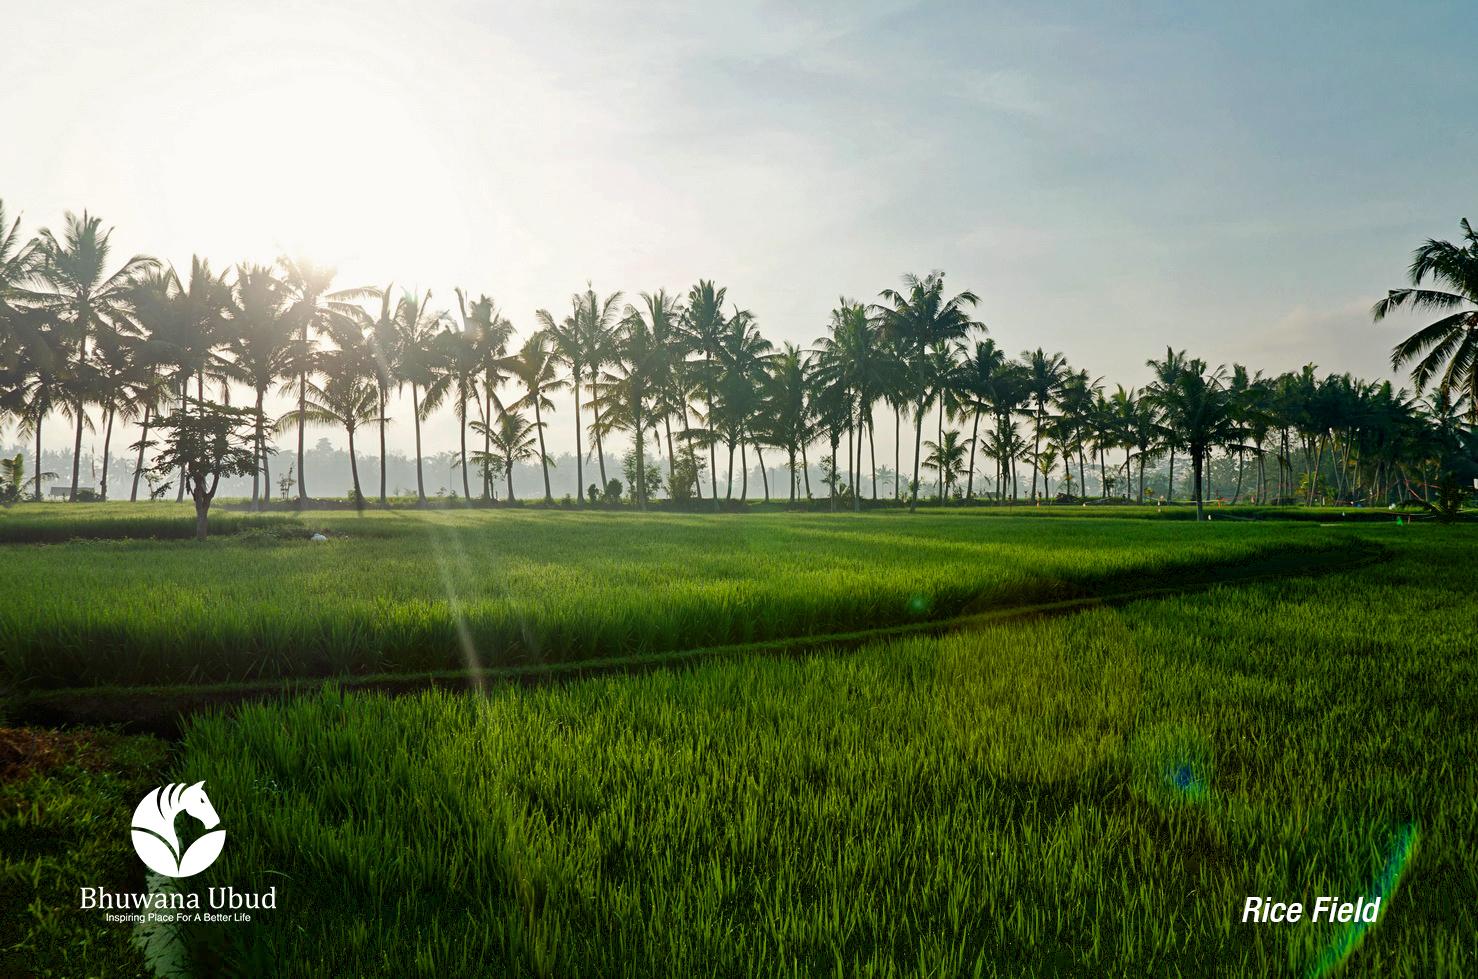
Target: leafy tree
204,445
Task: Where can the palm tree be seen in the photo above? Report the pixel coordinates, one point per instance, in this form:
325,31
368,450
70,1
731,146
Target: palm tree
90,301
511,439
947,458
416,326
261,328
1167,374
704,323
456,370
852,358
1198,410
181,323
571,348
1448,345
43,375
978,377
1044,378
491,332
346,398
380,332
534,368
1076,396
740,361
314,309
640,362
922,319
786,404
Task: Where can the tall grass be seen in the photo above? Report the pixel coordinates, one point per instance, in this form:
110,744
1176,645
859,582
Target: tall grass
395,592
1093,795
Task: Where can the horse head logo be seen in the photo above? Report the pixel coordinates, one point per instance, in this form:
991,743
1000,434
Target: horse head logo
156,841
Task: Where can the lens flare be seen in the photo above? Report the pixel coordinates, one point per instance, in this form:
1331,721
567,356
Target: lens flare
1398,858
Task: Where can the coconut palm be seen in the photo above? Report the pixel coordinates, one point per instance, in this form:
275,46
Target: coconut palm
181,323
416,354
1167,373
260,330
456,371
947,458
786,404
1198,411
346,398
490,331
590,333
316,309
1044,377
704,323
92,302
534,368
569,340
921,319
511,437
978,377
630,388
1447,348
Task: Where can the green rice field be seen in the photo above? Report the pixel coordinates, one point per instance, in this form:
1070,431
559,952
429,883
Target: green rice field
397,592
1091,790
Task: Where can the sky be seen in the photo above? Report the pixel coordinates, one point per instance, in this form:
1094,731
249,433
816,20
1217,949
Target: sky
1238,180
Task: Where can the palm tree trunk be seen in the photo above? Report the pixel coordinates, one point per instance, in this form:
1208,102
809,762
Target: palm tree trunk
543,456
671,459
744,465
302,423
974,436
1241,464
77,452
462,432
918,445
354,471
897,459
416,416
579,453
138,467
939,436
790,453
640,489
806,470
508,463
1196,483
831,484
107,441
184,410
708,423
259,447
383,500
39,419
1170,488
729,490
872,454
487,445
1036,450
764,476
600,451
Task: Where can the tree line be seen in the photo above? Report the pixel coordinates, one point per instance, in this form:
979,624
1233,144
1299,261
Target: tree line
102,343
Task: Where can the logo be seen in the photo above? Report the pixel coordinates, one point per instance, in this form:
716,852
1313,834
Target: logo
153,830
